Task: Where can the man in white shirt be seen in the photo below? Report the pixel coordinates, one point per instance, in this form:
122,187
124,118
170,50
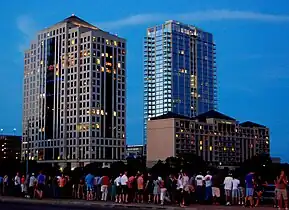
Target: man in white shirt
17,185
32,182
199,187
124,188
208,183
118,188
228,184
235,192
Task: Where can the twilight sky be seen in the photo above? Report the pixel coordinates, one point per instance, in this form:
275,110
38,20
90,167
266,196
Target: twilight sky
252,53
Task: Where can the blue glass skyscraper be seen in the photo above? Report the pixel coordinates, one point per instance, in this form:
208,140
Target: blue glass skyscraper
179,71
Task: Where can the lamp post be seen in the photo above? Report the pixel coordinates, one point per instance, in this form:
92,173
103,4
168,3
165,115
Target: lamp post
1,131
14,131
27,140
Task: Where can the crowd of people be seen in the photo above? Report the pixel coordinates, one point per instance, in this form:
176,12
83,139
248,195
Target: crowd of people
175,189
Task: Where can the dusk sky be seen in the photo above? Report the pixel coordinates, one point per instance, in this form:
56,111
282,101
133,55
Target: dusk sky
252,53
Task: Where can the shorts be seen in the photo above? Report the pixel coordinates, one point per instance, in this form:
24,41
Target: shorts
235,193
241,192
140,191
282,193
228,192
216,192
249,192
118,190
90,188
124,189
40,187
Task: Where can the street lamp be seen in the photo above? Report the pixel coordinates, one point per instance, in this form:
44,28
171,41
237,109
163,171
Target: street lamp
27,141
14,131
1,131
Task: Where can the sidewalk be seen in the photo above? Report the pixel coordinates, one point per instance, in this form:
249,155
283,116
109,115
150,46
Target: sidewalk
95,204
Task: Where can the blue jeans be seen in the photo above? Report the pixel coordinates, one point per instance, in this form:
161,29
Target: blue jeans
208,193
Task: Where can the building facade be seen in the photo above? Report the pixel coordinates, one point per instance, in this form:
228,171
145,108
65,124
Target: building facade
134,151
10,147
217,138
179,71
75,94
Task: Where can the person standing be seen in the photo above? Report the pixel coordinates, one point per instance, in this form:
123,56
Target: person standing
235,192
123,182
228,184
149,187
32,182
41,184
140,188
216,185
208,183
89,180
104,187
199,187
249,181
282,182
17,185
118,189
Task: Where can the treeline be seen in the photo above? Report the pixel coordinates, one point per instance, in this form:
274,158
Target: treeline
191,164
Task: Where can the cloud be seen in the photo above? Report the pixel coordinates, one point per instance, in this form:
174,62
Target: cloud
208,15
27,27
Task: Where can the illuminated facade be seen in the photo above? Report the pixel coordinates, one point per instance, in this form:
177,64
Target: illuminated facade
75,95
215,137
10,147
179,71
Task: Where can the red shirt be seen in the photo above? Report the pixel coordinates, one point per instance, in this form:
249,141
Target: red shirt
105,180
22,180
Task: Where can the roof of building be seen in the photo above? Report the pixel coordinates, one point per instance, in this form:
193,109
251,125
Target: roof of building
250,124
78,21
213,114
170,115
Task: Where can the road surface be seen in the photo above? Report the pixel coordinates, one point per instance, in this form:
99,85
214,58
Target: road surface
10,203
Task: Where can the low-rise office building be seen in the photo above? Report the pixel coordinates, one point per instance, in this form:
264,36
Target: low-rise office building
217,138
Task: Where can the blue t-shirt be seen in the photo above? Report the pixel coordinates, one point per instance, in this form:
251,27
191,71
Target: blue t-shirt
249,181
41,179
89,179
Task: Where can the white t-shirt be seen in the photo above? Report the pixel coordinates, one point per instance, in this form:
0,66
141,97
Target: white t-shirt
228,182
123,180
199,179
31,181
16,180
236,183
208,180
117,181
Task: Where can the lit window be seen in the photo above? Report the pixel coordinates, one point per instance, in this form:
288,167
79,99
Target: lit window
97,125
114,113
106,54
102,54
72,42
41,62
97,111
233,149
115,43
201,148
97,61
102,112
201,142
177,135
211,148
225,148
118,65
